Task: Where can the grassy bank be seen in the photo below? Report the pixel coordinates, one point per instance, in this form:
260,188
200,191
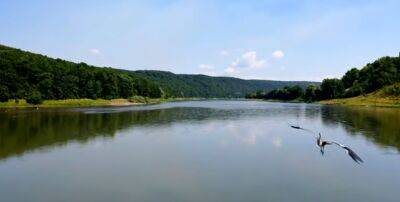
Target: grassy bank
136,100
386,97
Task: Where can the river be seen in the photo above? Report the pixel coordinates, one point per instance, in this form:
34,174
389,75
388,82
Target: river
217,150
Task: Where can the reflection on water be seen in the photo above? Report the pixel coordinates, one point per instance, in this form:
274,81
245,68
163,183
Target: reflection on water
198,151
379,125
22,131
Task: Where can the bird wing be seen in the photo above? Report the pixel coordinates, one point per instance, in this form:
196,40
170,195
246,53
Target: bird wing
353,155
350,152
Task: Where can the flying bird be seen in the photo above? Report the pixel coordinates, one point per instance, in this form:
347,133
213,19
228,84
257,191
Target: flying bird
322,143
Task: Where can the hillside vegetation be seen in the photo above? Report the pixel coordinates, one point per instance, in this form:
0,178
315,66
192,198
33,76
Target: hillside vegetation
388,96
24,75
186,85
356,82
35,77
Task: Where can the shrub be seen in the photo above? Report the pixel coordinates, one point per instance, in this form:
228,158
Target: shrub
4,94
34,98
138,99
392,90
355,90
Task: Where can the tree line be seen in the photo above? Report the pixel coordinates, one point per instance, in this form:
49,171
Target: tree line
24,75
34,77
187,85
373,76
286,93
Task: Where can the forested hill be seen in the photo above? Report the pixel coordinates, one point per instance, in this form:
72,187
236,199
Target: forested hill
189,85
379,75
24,74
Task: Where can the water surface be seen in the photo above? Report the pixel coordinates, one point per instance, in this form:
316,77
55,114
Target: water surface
199,151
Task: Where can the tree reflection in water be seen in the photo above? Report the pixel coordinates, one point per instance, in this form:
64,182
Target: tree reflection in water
24,130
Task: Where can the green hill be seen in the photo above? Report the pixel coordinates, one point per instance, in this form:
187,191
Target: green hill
187,85
24,74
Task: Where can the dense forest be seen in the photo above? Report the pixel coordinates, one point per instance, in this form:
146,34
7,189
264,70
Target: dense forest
382,72
25,75
186,85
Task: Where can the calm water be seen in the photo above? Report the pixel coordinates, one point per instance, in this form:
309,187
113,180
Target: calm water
199,151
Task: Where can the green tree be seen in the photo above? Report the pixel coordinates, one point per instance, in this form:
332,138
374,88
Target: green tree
312,93
34,98
294,92
350,77
4,94
331,88
125,86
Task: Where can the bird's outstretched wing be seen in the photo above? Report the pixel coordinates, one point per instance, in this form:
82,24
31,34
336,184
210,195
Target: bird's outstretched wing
353,155
350,152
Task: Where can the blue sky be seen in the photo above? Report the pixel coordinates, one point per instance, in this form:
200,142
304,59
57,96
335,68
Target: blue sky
280,40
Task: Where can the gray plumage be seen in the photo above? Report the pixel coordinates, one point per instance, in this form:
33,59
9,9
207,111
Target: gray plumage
322,143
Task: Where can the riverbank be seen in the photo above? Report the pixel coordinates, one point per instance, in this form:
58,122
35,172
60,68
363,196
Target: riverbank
368,101
91,102
388,96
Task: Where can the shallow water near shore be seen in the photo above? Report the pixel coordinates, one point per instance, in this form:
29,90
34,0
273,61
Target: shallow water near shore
199,151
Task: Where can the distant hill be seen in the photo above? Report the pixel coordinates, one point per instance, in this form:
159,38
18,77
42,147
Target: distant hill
190,85
24,74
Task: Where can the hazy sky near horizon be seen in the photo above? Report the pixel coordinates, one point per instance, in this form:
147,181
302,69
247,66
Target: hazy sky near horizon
276,39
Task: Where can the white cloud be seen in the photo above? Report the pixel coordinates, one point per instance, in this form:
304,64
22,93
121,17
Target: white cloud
95,51
206,66
278,54
248,60
224,53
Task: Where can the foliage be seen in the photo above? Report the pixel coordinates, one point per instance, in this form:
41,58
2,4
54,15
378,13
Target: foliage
383,72
350,77
353,91
24,74
183,85
393,90
312,93
331,88
34,98
382,98
286,93
138,99
4,94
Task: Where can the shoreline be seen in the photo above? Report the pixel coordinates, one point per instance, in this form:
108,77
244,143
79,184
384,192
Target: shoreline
365,101
77,103
361,101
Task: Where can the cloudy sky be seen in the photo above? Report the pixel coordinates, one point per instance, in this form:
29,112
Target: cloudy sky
276,39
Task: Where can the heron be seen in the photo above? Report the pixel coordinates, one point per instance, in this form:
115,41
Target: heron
322,143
